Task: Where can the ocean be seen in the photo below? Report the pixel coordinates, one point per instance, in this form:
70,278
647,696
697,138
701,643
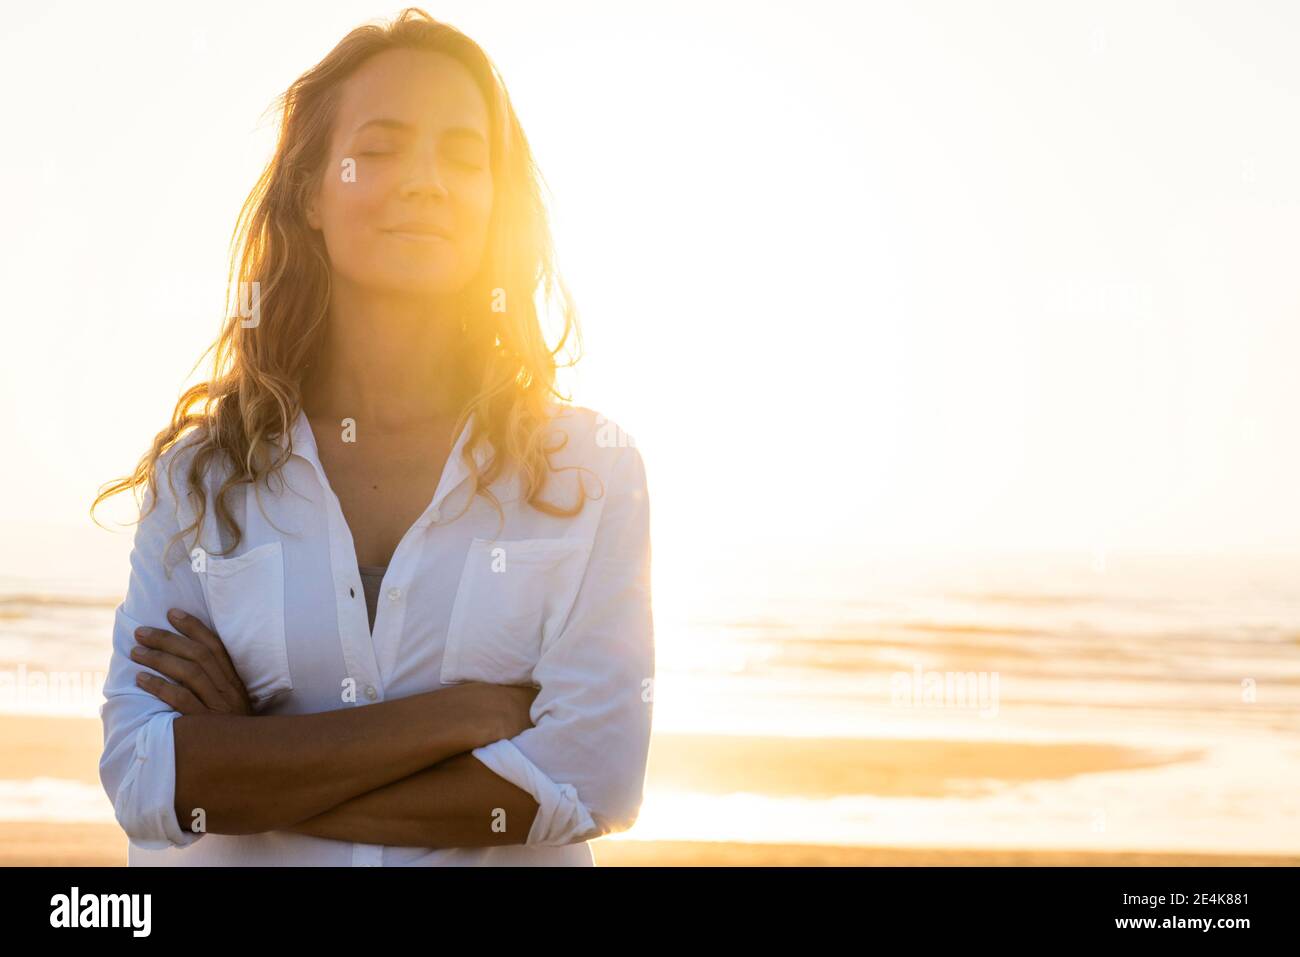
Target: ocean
1090,701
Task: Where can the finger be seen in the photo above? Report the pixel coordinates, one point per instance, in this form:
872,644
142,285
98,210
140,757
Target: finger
181,647
183,670
179,697
195,630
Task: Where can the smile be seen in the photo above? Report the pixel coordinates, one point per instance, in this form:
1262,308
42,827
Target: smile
417,237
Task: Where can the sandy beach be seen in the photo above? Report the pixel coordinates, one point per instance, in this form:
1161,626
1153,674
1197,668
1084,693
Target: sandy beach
40,844
68,749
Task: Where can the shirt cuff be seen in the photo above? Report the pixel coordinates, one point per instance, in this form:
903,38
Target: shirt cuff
561,817
146,800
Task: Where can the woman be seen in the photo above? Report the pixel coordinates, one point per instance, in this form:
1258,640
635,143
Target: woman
389,602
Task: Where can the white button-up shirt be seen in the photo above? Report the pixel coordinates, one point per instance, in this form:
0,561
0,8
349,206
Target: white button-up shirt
573,616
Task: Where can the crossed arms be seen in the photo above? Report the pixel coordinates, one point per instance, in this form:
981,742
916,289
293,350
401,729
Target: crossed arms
390,773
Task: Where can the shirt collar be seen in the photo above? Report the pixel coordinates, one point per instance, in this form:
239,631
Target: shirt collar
453,473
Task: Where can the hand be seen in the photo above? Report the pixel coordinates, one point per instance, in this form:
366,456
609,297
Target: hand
507,709
206,680
516,704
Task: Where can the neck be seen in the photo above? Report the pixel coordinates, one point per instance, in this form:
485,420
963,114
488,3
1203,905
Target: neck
390,361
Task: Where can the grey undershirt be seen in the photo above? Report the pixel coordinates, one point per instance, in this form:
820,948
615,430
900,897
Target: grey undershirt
372,576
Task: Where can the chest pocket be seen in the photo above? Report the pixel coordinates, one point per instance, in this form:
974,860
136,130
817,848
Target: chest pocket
246,597
512,599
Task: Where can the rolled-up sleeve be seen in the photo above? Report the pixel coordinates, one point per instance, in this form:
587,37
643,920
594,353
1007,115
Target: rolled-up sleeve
584,760
138,764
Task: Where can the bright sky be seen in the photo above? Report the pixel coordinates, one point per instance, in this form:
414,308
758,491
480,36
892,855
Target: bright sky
853,277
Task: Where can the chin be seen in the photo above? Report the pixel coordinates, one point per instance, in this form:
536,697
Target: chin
421,286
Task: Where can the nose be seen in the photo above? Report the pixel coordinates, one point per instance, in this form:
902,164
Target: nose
424,177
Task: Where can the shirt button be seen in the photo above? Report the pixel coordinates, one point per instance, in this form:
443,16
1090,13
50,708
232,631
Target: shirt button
371,693
394,594
434,515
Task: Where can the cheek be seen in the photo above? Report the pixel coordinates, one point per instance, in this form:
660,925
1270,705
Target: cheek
350,215
476,215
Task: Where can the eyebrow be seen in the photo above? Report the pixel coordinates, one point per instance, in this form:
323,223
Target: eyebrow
463,132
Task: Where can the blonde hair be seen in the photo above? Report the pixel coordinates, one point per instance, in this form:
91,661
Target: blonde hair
254,394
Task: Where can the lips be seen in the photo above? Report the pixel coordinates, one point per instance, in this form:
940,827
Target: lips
425,231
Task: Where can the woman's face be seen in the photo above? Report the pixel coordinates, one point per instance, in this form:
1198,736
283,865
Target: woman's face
406,194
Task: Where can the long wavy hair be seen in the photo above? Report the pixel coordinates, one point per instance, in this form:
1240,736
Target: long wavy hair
254,394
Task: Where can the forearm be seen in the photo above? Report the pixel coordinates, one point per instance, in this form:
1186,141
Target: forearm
262,773
458,803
